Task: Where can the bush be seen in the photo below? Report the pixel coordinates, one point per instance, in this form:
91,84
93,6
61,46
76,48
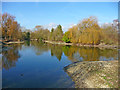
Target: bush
66,37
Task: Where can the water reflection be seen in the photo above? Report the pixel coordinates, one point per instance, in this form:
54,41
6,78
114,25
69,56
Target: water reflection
76,53
39,47
56,51
89,54
27,43
10,54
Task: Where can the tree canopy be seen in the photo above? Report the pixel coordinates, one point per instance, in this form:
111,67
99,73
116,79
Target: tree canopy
87,31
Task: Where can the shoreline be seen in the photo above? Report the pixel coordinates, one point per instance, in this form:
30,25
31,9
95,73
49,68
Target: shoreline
11,42
77,44
84,74
15,42
63,43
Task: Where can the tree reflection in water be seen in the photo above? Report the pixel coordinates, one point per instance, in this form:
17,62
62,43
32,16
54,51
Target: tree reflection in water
89,54
74,54
39,47
10,55
56,50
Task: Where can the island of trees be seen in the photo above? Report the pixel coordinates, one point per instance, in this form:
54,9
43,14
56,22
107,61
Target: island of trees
86,32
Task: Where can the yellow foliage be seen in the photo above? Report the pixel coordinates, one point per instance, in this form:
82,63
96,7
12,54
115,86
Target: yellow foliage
86,32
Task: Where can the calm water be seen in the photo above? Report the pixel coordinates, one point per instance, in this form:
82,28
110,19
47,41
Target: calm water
41,65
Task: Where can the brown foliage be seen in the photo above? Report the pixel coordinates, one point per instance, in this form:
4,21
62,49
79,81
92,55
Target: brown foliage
10,27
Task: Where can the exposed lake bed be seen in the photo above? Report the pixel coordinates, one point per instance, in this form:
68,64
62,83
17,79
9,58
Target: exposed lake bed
99,74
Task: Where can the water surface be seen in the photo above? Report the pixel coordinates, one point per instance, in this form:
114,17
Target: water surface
41,65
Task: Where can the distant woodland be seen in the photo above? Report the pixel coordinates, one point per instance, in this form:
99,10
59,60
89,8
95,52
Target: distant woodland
87,31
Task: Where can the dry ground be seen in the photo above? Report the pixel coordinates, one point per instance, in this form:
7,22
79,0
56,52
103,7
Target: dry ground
95,74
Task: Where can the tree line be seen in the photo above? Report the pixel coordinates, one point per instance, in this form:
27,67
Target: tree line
11,29
44,34
87,31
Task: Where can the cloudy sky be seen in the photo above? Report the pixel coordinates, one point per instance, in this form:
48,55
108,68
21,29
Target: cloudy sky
50,14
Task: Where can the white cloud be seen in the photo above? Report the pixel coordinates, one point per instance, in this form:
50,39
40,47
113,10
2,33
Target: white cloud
72,25
67,26
50,26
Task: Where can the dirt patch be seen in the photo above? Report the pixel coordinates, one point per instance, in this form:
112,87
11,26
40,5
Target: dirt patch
95,74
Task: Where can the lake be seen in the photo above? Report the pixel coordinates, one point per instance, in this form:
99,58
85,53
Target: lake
41,65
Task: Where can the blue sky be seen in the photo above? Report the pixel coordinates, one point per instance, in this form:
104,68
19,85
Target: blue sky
50,14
